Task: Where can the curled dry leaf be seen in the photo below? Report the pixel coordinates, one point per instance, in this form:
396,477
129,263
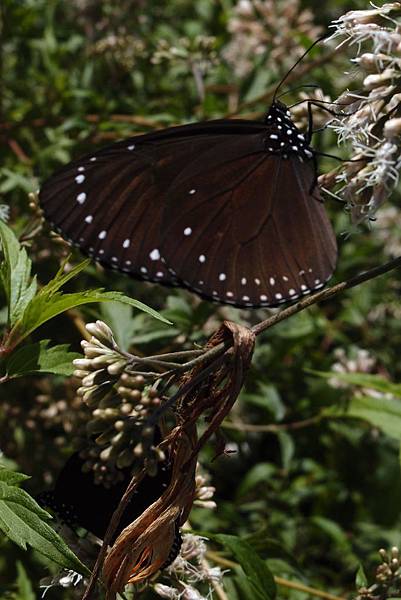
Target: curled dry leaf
145,546
209,391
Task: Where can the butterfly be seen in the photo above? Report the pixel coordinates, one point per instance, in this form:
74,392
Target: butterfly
229,209
80,502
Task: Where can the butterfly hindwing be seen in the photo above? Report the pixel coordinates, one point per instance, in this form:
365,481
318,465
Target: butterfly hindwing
249,243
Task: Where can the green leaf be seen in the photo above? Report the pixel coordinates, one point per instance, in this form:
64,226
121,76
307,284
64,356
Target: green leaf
360,578
15,273
256,570
47,305
23,521
287,447
260,473
11,477
119,318
366,380
381,412
39,358
24,585
267,398
62,277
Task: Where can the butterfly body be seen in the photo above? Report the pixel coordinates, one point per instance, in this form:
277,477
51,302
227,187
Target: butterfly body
228,209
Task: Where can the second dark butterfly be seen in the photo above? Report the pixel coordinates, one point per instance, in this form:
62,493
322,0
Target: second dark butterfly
228,209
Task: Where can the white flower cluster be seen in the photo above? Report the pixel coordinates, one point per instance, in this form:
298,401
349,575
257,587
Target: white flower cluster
269,28
189,568
357,361
372,124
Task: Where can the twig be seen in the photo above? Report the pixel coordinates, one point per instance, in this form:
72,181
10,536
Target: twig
306,302
326,294
115,519
295,585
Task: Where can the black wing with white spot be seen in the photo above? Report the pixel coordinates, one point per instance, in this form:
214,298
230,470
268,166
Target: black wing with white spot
228,209
111,203
260,241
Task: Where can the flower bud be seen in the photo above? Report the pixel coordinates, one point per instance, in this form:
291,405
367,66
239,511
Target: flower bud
392,128
102,332
117,367
125,459
374,81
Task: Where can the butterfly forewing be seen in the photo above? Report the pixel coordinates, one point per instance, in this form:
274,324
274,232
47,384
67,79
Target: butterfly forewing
110,203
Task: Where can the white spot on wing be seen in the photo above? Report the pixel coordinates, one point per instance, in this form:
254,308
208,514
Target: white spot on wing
192,191
126,243
278,296
81,197
243,281
202,258
80,178
263,297
272,281
154,255
187,231
131,147
102,234
89,219
222,277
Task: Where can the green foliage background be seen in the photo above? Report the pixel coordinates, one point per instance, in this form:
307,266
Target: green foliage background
315,501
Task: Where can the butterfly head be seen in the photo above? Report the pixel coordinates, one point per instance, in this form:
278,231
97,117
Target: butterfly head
277,110
283,138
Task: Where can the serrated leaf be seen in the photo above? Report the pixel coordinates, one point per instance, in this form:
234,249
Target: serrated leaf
39,358
23,521
381,412
44,307
256,570
15,273
62,277
11,477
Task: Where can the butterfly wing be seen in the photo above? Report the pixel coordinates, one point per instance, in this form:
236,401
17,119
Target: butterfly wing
258,239
110,203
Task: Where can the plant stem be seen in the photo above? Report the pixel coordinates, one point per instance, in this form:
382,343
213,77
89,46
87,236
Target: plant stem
326,294
272,428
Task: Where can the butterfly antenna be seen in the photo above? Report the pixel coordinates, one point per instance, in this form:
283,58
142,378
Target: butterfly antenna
296,64
298,87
